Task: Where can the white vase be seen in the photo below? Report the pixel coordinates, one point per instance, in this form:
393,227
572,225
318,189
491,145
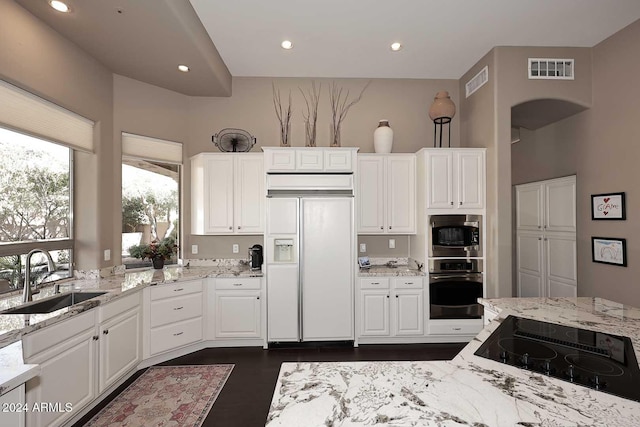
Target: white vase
383,137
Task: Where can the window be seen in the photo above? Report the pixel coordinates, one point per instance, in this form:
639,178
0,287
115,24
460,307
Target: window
150,206
35,209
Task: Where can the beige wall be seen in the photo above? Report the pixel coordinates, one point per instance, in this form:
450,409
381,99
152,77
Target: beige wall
378,246
39,60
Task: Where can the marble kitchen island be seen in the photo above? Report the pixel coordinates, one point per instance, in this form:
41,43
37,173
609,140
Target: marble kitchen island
468,390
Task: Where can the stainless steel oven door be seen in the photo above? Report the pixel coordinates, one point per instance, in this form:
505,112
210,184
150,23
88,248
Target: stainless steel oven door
455,296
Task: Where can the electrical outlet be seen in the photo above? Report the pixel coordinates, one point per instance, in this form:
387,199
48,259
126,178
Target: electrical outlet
363,247
236,248
392,243
194,249
107,254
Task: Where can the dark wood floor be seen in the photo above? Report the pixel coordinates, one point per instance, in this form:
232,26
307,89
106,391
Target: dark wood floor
245,398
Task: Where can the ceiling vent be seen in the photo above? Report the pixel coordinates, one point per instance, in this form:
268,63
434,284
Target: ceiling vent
551,68
477,81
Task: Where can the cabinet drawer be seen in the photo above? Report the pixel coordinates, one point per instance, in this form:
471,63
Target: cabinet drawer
446,327
175,309
118,306
408,282
176,289
238,283
175,335
374,283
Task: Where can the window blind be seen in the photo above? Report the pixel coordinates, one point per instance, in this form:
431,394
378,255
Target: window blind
25,112
145,147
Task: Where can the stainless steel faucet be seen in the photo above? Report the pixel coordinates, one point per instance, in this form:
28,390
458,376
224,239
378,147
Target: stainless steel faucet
27,294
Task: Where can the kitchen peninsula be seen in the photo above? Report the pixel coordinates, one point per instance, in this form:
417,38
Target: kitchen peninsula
468,390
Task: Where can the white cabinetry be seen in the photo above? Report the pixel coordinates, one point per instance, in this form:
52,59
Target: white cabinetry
120,343
9,402
455,178
238,308
175,316
308,160
546,253
67,355
391,308
386,194
227,193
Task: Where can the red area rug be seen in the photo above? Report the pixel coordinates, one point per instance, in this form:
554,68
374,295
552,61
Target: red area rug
166,396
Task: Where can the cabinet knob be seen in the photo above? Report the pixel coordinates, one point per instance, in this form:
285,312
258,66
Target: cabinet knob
230,228
95,337
105,332
257,297
390,227
239,227
451,203
396,296
387,295
538,226
539,238
381,227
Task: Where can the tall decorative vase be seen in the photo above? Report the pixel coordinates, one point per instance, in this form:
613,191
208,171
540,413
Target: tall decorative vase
383,137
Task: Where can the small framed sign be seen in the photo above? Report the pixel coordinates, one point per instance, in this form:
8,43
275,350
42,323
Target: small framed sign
608,206
609,250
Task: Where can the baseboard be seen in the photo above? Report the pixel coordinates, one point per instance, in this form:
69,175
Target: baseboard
431,339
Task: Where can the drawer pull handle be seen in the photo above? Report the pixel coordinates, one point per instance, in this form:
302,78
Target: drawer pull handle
179,333
409,283
457,329
178,290
106,332
179,308
375,283
237,284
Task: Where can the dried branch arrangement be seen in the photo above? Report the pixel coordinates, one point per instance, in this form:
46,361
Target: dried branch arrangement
340,106
311,99
284,116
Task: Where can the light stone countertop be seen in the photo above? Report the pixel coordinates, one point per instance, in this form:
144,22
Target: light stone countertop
13,326
391,267
468,390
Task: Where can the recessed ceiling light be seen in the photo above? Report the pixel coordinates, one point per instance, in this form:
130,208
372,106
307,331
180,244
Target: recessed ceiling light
183,68
59,6
286,44
396,46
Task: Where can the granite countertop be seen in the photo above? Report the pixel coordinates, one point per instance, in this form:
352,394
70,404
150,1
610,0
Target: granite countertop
468,390
391,267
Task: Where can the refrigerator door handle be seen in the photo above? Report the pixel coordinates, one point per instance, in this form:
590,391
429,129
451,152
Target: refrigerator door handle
300,268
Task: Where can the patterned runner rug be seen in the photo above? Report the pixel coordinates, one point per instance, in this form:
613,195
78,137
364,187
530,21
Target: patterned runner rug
166,396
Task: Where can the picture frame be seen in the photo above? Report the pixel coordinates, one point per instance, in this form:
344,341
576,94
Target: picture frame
609,250
608,207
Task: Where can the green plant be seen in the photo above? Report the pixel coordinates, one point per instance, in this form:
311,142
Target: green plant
156,249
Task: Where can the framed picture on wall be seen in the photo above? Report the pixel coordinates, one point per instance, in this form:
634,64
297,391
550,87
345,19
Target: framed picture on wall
609,206
609,250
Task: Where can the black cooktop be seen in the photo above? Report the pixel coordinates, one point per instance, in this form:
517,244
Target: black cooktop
592,359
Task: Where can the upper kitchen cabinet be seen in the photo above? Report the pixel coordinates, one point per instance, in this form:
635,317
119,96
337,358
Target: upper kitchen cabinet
227,193
386,194
455,178
309,160
547,205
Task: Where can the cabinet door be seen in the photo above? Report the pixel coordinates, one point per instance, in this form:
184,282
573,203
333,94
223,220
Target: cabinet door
10,417
282,216
119,347
218,187
529,255
560,205
529,206
337,160
560,265
370,193
440,180
312,161
409,312
470,179
249,194
67,376
401,194
374,313
237,314
278,160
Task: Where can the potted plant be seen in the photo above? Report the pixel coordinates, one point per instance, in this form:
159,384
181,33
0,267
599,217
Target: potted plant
156,251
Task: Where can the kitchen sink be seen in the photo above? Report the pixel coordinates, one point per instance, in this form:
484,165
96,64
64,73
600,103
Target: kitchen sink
54,303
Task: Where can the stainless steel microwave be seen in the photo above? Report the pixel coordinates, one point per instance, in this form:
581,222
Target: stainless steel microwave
455,235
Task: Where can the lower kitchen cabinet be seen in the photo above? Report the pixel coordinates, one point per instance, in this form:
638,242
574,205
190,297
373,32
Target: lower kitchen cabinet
238,308
10,400
455,326
175,317
391,307
67,355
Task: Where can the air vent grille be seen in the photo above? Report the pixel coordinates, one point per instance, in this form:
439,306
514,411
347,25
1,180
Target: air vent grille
551,68
477,81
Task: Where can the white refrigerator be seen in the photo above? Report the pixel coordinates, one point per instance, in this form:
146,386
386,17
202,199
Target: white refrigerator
310,261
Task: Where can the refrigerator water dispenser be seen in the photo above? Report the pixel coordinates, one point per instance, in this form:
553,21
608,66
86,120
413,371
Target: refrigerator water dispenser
283,250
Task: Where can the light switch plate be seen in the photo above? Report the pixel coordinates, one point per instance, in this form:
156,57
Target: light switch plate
194,249
236,248
363,247
392,243
107,254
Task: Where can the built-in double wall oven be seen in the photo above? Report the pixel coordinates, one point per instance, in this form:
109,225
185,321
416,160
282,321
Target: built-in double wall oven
455,267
